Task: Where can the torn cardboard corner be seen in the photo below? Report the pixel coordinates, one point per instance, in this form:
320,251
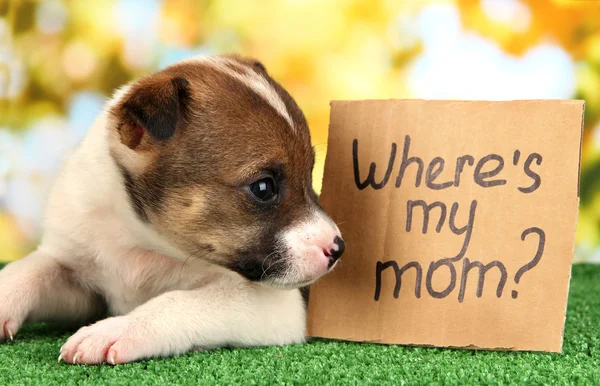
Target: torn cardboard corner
459,220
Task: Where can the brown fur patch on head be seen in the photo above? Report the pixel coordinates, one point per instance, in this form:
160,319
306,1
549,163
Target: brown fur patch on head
211,136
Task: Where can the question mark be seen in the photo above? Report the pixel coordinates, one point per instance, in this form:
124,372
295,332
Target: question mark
538,255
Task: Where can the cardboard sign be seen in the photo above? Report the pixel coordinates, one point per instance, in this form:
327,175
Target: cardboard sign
459,220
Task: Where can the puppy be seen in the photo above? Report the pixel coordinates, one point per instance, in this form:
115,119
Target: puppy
187,213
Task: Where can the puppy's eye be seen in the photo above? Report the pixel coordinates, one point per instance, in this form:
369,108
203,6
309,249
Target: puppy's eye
264,190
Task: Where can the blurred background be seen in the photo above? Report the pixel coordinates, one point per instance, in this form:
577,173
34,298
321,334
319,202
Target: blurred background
60,60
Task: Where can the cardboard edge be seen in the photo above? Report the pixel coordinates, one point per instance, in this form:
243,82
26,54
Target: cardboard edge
562,332
331,106
483,101
465,347
580,149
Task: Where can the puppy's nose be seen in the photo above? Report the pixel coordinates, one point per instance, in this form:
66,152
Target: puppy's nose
335,253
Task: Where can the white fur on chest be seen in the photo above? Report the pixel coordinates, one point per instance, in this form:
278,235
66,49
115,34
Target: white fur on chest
129,278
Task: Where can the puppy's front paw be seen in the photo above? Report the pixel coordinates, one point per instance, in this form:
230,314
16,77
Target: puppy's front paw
112,340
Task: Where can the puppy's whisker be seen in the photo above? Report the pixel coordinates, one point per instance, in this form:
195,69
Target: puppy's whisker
274,263
320,148
193,254
262,265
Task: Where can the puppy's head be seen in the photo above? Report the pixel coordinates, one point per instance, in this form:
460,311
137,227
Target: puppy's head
216,158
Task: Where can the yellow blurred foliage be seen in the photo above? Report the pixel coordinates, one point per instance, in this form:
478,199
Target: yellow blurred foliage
11,240
569,22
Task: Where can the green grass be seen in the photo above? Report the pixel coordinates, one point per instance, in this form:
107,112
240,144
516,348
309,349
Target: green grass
31,359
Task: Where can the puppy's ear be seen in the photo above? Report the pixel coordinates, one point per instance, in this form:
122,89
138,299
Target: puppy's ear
154,106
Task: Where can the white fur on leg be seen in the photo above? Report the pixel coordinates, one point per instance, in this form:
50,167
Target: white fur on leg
180,321
37,288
